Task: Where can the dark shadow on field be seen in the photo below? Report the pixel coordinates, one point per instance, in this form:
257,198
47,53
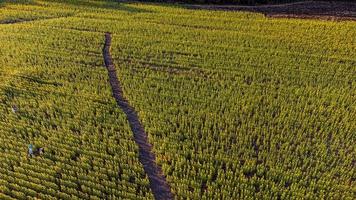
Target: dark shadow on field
18,19
12,92
306,9
26,2
40,81
109,5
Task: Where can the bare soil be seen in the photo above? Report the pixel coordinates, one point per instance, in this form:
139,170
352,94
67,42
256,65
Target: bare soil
328,10
158,183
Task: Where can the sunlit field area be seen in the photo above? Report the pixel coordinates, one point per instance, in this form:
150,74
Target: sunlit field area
235,105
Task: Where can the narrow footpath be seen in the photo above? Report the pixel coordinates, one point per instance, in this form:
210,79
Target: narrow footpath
158,183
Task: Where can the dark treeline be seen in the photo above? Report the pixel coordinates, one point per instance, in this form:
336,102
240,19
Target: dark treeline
249,2
241,2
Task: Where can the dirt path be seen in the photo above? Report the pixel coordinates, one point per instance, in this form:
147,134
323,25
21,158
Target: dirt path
158,183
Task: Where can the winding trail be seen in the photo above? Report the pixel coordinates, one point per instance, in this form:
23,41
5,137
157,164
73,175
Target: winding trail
158,183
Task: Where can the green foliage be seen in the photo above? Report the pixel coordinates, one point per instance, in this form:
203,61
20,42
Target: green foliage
56,79
239,106
236,105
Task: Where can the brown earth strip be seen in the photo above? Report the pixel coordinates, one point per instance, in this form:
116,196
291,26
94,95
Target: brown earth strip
158,183
331,10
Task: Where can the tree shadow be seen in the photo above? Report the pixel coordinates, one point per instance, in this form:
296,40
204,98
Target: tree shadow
40,81
12,92
106,5
26,2
111,5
